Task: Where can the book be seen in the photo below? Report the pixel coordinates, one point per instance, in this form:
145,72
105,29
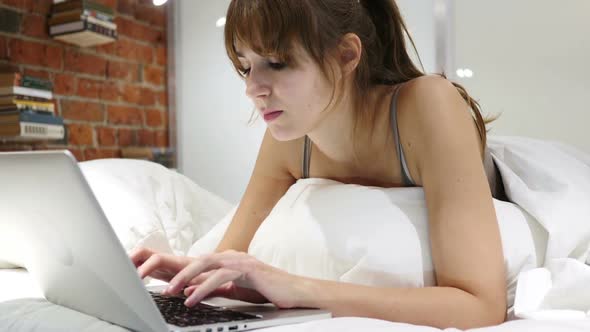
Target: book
23,104
28,130
36,83
7,99
81,4
16,116
20,90
109,25
80,18
78,14
18,79
10,79
81,26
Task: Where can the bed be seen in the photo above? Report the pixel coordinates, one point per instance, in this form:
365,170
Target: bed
546,252
23,309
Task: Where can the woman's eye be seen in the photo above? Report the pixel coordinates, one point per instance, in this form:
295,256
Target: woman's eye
277,65
244,72
272,65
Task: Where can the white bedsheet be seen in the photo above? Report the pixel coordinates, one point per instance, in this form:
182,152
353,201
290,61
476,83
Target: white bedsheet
23,309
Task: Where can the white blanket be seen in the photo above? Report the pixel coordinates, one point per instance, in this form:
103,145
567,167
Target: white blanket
551,182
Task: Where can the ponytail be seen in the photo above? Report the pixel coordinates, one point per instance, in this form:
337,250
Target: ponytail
392,63
386,48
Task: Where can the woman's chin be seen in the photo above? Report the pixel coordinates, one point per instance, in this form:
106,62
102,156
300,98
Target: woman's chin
282,135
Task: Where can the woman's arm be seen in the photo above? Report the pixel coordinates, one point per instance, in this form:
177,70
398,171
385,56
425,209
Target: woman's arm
441,141
268,183
441,307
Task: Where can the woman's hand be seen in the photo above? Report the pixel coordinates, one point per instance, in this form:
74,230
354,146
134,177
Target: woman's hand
156,265
229,274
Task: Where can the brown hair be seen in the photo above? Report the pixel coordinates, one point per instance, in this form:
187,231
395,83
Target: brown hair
271,27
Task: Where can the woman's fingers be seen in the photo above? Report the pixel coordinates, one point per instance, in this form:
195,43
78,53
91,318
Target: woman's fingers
201,277
189,290
149,266
193,282
193,270
217,279
158,263
139,255
224,290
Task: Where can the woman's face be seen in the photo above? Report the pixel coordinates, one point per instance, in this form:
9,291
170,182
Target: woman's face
290,97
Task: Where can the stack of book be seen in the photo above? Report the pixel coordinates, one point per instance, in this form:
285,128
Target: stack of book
82,22
27,109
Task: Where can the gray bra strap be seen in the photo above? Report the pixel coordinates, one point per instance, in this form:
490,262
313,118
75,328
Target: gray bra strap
306,157
406,177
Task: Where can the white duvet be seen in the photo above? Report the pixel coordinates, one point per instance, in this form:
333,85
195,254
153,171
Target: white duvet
545,236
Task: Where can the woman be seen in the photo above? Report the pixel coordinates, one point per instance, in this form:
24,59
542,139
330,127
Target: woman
334,77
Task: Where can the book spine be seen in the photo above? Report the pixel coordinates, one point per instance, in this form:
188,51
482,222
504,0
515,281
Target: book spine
92,5
97,21
11,79
81,4
99,15
9,117
66,6
40,111
36,83
28,116
10,99
101,29
37,107
73,15
66,27
29,130
41,130
20,90
90,27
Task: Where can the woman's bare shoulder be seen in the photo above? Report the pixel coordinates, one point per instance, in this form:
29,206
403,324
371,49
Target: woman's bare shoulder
287,154
429,106
425,85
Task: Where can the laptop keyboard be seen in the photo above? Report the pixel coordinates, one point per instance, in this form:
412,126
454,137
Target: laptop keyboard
175,312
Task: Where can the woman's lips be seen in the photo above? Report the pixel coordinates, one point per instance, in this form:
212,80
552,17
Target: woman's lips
272,115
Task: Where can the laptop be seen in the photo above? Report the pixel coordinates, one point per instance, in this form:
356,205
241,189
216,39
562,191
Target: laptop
52,219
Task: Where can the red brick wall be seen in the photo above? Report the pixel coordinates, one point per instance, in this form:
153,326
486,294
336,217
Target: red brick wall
111,96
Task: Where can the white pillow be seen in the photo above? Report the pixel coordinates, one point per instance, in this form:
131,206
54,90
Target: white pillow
144,200
366,235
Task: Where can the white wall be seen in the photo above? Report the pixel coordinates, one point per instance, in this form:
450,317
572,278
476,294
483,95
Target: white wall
216,148
531,62
419,17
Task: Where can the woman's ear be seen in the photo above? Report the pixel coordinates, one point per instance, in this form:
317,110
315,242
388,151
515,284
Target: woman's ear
350,50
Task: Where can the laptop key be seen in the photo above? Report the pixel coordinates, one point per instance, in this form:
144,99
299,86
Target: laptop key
176,313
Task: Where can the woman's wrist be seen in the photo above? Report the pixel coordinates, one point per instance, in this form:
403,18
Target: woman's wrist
309,292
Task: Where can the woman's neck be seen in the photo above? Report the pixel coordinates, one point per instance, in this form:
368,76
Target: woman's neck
333,137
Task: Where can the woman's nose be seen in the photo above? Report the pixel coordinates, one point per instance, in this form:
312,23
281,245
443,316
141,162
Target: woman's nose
257,86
